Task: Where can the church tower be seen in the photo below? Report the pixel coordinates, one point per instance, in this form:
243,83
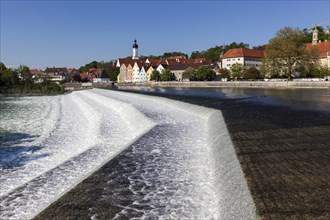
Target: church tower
135,51
315,36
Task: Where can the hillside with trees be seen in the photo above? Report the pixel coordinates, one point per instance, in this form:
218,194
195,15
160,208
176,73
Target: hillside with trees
212,54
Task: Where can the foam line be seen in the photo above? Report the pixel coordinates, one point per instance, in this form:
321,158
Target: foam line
235,200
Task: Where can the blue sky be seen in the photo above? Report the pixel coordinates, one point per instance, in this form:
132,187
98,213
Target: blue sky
72,33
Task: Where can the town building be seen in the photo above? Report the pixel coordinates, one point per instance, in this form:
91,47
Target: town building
137,69
178,69
56,74
244,56
322,49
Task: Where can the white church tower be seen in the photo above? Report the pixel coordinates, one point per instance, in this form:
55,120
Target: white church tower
315,36
135,51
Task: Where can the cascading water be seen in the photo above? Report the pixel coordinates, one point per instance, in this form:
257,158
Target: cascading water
184,164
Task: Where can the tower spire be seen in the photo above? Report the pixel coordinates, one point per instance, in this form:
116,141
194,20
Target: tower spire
315,36
135,50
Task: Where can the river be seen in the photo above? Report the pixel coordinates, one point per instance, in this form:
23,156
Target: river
307,98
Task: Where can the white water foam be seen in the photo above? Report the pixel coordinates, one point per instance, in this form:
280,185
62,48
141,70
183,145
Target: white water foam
76,149
193,172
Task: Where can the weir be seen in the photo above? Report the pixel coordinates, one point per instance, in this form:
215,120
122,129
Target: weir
28,190
234,198
182,155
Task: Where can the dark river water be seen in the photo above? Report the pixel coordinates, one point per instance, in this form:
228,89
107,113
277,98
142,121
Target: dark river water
314,99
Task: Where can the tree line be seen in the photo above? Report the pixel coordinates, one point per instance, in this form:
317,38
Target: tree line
203,73
20,81
108,70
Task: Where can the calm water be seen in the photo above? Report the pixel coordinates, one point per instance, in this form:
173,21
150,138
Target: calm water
315,99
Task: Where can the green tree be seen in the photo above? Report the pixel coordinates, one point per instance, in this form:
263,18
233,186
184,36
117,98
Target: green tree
236,71
76,77
110,70
205,73
197,54
286,50
155,75
93,64
166,75
224,73
212,54
172,54
8,80
251,73
2,68
25,74
190,74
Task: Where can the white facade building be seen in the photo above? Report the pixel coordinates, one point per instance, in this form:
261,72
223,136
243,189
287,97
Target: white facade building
160,68
136,73
247,57
139,74
143,74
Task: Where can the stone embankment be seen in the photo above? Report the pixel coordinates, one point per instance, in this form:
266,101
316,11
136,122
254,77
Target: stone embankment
256,84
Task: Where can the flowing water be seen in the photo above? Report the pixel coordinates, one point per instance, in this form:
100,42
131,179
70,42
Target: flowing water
306,98
185,165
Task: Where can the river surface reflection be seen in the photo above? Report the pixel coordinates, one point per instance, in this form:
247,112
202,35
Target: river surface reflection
315,99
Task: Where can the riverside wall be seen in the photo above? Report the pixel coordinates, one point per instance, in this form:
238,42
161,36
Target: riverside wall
246,84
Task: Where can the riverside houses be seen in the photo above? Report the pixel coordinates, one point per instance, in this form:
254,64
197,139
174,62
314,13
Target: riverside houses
253,58
140,70
56,74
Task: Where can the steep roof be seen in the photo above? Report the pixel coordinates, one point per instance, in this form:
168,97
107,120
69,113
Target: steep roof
55,69
154,61
127,61
244,52
322,47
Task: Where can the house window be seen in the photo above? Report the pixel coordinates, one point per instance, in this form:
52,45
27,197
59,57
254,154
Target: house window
228,59
238,59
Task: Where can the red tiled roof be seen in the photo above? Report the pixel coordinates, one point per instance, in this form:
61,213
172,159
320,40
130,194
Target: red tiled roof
201,60
84,75
34,71
154,61
322,47
50,70
244,52
70,70
131,61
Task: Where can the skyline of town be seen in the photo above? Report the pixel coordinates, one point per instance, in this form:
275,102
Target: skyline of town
65,34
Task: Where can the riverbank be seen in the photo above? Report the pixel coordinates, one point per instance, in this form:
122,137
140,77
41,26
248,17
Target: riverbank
242,84
283,152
